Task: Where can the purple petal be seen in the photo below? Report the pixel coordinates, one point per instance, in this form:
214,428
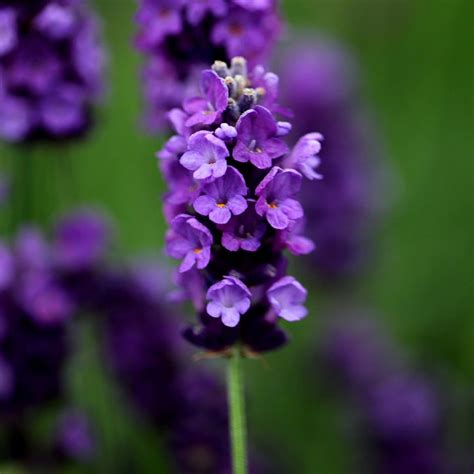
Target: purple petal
276,148
237,205
230,242
277,218
261,160
188,262
203,172
292,208
215,90
214,309
191,160
204,205
203,258
220,215
230,317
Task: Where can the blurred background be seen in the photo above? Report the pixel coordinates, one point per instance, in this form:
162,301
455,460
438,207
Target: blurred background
404,312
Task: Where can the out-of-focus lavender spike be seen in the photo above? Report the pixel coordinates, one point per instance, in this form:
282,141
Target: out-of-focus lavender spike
319,82
51,68
401,411
179,38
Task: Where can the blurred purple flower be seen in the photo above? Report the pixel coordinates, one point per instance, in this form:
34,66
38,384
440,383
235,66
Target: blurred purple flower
80,241
74,436
401,411
51,64
179,38
320,85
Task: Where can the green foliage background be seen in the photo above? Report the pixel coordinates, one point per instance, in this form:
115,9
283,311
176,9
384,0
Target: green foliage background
417,63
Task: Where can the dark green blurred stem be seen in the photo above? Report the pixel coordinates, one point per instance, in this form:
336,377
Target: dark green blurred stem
238,431
42,184
22,205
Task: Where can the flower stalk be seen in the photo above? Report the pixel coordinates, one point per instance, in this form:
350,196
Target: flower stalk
238,428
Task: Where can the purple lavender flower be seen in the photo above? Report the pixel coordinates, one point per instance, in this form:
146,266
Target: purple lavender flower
43,298
205,110
287,297
34,355
206,156
223,197
257,142
304,156
228,299
189,240
244,232
276,197
47,81
233,209
181,37
320,84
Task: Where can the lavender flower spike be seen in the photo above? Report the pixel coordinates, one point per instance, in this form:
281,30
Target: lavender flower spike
229,299
233,209
51,67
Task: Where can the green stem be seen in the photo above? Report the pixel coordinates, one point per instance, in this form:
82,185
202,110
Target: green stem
238,433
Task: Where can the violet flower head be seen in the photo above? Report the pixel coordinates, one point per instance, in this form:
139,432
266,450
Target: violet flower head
320,84
179,38
51,67
234,209
35,309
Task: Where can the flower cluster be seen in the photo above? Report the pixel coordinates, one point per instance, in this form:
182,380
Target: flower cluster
341,209
51,64
36,306
180,37
401,411
233,209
